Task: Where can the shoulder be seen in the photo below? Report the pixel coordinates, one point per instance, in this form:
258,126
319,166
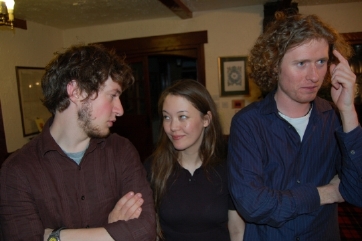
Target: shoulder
121,147
219,169
24,156
254,110
119,143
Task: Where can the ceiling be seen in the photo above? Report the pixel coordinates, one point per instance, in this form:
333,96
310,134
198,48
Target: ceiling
66,14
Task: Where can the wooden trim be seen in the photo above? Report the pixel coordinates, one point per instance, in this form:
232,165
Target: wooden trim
178,7
19,23
157,43
353,38
183,44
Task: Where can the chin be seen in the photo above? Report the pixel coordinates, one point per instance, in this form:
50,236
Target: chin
98,134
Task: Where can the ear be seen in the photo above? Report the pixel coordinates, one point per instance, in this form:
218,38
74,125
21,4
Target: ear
73,91
207,119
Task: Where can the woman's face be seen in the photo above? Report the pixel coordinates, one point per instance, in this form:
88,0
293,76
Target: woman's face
183,123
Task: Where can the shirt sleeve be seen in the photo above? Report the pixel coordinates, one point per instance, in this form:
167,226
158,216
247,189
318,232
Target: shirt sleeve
255,201
351,173
133,176
17,202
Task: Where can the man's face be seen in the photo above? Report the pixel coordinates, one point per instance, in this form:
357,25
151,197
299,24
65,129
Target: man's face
97,115
302,71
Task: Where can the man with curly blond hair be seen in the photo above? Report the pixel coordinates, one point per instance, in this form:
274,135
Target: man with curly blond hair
293,156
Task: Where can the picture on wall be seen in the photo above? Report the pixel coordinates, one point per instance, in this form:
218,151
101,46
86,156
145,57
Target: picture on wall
232,75
33,113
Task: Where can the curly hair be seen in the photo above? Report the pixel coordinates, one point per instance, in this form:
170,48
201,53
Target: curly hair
285,33
90,66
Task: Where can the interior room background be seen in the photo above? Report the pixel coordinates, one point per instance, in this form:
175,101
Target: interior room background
231,32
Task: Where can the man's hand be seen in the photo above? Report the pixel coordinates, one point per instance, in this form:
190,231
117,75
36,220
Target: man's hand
128,207
330,193
47,232
343,91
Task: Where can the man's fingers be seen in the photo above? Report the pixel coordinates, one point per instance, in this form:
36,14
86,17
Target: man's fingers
340,57
121,202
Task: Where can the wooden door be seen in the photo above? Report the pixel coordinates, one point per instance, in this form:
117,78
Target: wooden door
3,149
135,124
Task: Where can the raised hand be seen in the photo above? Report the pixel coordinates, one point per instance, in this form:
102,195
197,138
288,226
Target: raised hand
343,91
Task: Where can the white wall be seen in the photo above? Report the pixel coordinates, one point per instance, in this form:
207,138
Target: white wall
33,47
231,32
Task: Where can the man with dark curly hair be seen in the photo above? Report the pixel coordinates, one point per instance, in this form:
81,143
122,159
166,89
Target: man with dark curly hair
75,180
293,156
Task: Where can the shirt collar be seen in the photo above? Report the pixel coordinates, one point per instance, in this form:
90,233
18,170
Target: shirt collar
48,143
269,105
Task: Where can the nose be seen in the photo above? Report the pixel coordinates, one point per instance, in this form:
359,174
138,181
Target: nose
313,74
118,108
174,125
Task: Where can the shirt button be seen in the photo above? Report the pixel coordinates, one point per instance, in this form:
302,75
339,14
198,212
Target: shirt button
353,152
298,181
297,238
83,197
190,180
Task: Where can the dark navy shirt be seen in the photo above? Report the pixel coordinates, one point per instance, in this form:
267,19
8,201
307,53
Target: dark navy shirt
273,175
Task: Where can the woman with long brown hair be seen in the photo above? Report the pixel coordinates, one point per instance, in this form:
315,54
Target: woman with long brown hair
187,170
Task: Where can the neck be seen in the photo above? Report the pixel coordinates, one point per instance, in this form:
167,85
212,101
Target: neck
190,161
292,109
67,133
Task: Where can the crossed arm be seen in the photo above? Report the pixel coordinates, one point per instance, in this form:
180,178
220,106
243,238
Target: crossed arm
128,207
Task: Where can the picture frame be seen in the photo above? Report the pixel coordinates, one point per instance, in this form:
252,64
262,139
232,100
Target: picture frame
232,76
33,112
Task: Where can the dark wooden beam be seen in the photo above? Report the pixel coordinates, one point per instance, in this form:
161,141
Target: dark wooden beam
19,23
353,38
178,7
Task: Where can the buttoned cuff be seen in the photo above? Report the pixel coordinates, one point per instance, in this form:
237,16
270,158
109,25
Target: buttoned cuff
306,198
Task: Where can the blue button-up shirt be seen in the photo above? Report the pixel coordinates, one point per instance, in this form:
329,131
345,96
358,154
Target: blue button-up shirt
274,175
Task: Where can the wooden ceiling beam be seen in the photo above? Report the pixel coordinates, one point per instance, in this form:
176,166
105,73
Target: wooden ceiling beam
178,7
19,23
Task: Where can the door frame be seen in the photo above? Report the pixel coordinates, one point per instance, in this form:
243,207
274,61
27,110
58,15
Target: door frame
163,44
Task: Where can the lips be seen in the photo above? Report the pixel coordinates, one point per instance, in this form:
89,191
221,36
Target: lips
175,138
311,88
110,123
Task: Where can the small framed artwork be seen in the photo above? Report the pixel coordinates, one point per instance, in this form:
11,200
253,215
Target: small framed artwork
30,94
233,77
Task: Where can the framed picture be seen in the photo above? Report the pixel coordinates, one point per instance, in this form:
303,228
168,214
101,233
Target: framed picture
232,75
30,94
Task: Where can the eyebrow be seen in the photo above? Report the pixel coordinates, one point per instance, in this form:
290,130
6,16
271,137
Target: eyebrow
177,111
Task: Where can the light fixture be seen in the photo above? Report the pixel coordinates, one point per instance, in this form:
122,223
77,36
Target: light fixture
7,13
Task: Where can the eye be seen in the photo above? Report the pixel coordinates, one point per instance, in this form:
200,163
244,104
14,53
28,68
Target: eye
183,117
302,63
165,117
321,61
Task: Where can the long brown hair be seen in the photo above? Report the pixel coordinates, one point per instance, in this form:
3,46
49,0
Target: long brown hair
165,157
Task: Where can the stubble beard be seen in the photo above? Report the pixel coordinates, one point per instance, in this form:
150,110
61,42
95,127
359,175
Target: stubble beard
85,122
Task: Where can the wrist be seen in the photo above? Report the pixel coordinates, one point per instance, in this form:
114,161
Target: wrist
55,234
